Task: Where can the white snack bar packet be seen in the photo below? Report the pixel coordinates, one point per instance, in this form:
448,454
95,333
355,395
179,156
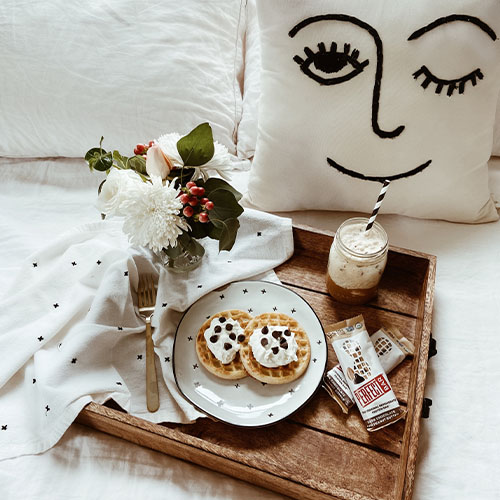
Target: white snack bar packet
391,348
365,376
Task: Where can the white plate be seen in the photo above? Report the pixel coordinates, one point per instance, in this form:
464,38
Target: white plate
247,402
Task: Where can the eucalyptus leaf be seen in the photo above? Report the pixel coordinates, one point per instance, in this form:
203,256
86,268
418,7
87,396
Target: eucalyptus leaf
228,231
120,160
214,184
225,205
190,245
137,163
197,148
199,230
101,162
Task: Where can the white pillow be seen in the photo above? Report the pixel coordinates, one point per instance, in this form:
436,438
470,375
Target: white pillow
129,70
329,134
247,129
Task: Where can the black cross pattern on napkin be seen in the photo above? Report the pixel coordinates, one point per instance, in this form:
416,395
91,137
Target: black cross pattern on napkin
119,383
74,360
40,338
73,263
56,305
237,386
259,233
164,304
47,409
4,427
200,286
139,356
120,328
34,380
98,262
245,291
190,338
35,264
263,291
221,296
167,359
270,415
275,308
250,310
293,310
314,360
195,366
125,273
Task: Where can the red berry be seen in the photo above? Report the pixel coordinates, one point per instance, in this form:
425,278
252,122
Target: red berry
200,191
204,200
139,149
193,202
203,217
188,211
151,143
184,198
190,184
209,205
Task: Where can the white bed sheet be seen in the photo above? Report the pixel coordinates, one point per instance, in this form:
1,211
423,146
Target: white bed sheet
459,455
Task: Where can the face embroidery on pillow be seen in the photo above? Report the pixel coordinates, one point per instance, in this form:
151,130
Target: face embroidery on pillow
335,65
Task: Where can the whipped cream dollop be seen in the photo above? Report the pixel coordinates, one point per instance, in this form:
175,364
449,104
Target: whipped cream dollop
223,338
273,346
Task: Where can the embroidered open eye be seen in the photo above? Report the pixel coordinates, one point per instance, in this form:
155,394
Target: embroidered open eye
452,85
330,67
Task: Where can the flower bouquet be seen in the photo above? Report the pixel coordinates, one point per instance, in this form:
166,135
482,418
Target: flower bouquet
167,196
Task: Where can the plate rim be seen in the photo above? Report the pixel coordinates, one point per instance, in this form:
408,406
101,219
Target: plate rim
254,426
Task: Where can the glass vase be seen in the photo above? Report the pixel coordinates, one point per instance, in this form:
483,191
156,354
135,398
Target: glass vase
181,263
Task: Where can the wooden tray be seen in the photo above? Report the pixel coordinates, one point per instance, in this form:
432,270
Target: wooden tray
317,453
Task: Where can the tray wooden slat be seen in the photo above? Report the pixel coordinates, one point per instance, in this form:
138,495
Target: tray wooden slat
317,453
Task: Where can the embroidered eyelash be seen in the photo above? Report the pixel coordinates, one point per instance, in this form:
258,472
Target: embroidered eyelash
331,61
458,83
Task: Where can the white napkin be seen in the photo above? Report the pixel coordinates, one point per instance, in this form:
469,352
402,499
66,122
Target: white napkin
69,332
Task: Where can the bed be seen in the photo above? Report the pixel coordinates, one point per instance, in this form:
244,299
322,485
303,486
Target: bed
42,197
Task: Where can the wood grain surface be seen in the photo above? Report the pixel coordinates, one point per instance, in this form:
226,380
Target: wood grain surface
318,452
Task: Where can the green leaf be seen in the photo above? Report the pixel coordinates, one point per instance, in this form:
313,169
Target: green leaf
225,205
197,148
199,230
181,175
213,184
101,162
227,231
137,163
190,245
120,160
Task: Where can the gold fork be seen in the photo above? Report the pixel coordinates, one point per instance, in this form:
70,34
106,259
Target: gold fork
146,293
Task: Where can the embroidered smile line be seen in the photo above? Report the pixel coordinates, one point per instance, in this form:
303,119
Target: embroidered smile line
357,175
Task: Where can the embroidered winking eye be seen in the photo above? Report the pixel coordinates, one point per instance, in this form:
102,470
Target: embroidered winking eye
330,67
452,85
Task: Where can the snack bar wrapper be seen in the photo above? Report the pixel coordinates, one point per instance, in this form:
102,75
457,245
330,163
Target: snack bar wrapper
365,376
391,348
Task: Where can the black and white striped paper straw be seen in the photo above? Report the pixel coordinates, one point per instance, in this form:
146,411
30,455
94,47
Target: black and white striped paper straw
376,208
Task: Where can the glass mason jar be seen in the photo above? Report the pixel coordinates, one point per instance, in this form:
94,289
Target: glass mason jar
356,262
181,263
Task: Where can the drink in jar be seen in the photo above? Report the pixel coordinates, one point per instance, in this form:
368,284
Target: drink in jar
356,262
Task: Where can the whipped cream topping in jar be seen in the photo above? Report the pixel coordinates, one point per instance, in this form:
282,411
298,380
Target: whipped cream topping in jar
356,262
273,346
223,337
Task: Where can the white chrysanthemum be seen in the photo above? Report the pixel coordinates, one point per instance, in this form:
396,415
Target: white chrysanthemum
114,191
219,163
152,215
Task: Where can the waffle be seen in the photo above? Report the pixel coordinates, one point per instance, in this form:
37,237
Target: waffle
280,374
233,370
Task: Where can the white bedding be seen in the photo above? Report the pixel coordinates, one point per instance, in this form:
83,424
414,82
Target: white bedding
459,447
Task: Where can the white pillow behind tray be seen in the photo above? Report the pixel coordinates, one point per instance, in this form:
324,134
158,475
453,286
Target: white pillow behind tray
302,123
129,70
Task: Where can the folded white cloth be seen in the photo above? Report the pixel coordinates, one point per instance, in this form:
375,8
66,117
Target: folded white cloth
69,332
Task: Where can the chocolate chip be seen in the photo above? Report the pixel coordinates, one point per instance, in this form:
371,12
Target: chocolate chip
232,336
241,338
264,342
284,345
227,346
282,340
287,332
275,350
214,338
217,329
265,330
358,379
276,334
229,327
222,319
